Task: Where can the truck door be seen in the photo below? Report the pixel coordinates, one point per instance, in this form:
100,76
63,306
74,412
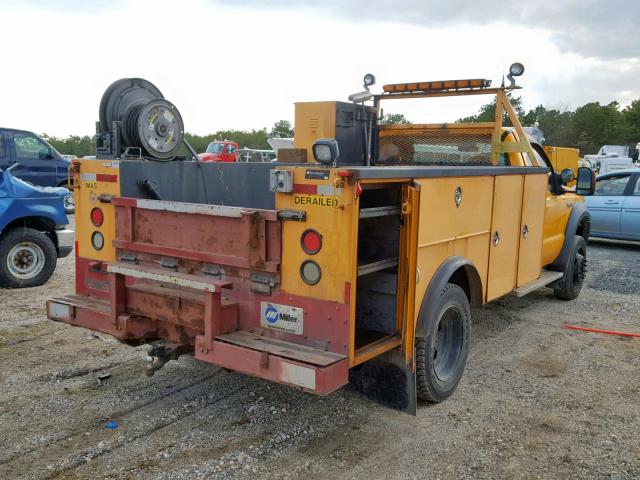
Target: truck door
606,204
37,164
556,213
630,217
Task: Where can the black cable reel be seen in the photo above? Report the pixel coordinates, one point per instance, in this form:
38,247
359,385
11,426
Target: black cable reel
138,119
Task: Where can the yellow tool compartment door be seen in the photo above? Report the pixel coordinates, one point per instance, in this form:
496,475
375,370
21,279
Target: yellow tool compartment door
505,235
531,228
407,275
455,220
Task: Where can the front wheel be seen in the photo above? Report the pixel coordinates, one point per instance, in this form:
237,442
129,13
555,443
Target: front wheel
441,355
574,272
27,258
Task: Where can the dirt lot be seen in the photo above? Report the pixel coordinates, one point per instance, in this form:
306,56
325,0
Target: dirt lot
536,401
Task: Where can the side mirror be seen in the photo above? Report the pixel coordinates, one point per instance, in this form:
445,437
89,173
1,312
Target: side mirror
586,183
567,175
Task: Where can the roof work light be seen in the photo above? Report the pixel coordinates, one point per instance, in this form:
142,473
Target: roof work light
369,80
515,70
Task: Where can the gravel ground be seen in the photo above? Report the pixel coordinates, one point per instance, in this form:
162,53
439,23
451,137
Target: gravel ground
536,401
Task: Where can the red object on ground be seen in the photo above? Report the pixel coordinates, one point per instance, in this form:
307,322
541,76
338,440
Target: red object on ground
597,330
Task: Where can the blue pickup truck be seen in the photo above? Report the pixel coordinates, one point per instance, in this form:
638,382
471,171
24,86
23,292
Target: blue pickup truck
33,231
37,161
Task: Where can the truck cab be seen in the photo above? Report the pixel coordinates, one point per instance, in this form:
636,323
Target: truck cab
36,161
33,231
359,265
220,151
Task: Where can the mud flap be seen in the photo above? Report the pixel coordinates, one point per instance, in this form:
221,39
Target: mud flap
387,380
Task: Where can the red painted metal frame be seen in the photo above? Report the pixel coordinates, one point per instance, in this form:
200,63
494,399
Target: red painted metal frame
326,323
96,315
250,241
271,367
239,244
92,279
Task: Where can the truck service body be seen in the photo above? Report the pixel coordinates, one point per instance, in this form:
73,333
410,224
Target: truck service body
317,275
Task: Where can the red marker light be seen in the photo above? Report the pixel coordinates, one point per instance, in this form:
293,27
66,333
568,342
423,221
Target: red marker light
97,217
311,241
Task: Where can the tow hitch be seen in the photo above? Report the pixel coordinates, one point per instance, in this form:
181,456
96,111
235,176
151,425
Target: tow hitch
161,352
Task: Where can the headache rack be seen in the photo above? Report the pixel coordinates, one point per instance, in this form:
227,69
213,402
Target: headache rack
448,144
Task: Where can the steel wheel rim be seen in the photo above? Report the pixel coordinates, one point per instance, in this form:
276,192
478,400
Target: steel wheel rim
25,260
579,268
448,344
69,202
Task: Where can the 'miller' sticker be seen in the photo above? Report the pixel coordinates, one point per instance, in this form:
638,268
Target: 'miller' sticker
281,317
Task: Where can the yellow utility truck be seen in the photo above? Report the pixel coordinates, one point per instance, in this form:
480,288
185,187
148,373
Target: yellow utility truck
357,264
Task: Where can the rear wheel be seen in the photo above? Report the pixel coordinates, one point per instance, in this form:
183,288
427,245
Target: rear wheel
574,272
441,355
27,258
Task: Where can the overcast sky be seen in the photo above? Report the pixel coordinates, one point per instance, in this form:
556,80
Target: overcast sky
242,64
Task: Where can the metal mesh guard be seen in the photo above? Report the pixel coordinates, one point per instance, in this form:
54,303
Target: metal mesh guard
434,147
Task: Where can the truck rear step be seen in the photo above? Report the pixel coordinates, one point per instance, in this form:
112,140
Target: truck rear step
308,368
546,277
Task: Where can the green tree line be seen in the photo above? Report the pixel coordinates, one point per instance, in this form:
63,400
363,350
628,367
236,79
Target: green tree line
587,127
81,146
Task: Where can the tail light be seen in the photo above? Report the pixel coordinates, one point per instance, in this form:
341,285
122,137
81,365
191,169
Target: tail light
97,217
310,272
97,240
311,242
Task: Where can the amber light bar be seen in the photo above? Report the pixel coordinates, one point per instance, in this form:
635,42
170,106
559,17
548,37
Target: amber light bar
441,85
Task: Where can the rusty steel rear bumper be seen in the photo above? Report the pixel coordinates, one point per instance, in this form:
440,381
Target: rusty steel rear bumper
310,369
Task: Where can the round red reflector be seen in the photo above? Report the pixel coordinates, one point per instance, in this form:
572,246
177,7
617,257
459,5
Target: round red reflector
97,217
311,242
